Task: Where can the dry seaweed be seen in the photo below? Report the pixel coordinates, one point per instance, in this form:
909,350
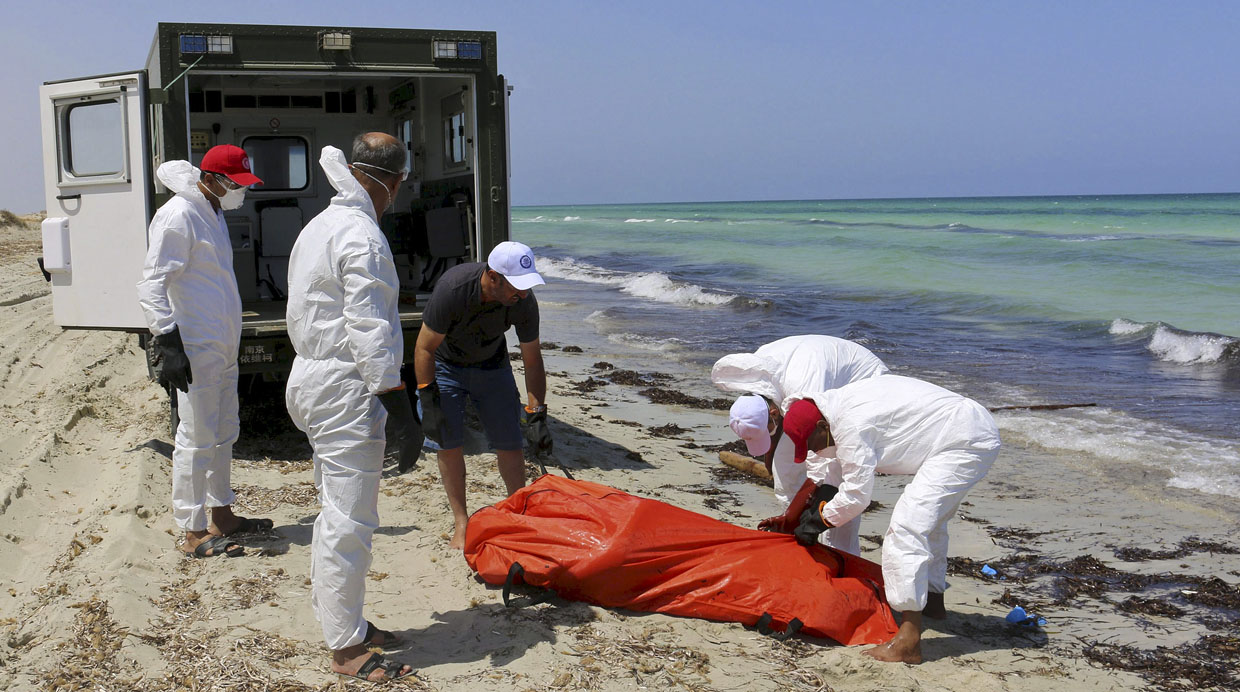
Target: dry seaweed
1068,589
603,365
636,379
1211,592
649,662
89,660
722,473
968,567
252,498
1150,606
1134,554
1000,533
1209,662
284,466
572,349
668,430
662,395
1186,547
588,385
246,592
737,446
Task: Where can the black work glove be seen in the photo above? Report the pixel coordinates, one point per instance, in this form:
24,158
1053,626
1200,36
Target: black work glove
432,412
812,524
169,361
537,433
403,431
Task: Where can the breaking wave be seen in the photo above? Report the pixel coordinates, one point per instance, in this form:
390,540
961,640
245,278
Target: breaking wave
655,286
1178,346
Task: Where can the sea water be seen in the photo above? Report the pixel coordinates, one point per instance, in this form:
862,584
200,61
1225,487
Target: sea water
1131,303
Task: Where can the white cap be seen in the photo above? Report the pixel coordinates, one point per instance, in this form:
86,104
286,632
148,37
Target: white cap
516,262
750,421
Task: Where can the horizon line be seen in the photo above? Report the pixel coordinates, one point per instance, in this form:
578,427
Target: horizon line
882,199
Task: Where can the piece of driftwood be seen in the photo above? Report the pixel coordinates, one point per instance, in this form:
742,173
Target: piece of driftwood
749,465
1039,407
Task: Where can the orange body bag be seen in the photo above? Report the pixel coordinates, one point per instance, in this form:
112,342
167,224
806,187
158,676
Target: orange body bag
592,543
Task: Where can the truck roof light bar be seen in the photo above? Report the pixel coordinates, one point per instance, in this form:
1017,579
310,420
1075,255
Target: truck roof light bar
458,50
336,40
198,43
220,44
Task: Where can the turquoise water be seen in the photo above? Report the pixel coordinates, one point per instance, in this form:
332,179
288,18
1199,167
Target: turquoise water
1173,259
1130,302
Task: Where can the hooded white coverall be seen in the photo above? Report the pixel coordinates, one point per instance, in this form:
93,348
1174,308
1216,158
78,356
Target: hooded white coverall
901,425
188,282
809,363
344,322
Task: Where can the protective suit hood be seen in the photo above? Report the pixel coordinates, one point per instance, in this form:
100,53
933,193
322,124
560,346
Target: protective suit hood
349,192
749,373
178,176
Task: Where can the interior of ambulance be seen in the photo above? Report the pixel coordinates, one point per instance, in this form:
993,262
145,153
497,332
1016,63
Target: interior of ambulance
284,121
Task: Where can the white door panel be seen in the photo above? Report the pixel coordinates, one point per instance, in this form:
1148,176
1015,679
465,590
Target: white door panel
96,176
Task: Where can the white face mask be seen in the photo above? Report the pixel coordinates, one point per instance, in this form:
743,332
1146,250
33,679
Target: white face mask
232,197
386,205
390,196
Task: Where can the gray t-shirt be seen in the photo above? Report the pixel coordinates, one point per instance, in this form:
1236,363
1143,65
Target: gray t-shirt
474,331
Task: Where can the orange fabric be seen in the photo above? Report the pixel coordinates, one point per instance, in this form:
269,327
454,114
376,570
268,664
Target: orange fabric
596,544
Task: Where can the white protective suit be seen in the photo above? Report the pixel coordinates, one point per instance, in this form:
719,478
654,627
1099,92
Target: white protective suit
809,363
344,322
188,282
900,425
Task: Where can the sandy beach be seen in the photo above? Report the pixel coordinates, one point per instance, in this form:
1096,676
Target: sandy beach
1139,588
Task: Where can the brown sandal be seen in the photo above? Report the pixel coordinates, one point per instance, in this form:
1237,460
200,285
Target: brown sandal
391,669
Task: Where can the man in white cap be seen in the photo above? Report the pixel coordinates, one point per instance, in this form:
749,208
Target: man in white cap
810,363
462,355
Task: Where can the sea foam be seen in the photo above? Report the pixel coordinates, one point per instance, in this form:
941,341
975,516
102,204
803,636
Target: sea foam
1194,461
655,286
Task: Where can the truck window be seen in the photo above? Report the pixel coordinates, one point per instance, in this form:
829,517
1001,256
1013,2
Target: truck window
94,138
453,131
282,162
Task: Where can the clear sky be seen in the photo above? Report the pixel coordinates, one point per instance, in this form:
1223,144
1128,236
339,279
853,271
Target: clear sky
645,101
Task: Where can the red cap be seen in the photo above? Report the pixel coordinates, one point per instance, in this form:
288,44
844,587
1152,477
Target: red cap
799,422
232,161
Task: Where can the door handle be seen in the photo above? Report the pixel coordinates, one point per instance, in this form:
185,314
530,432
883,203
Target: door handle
68,197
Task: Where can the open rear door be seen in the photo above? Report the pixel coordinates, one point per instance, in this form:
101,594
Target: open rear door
96,172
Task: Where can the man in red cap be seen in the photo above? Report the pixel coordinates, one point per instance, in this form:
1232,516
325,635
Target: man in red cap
892,425
188,294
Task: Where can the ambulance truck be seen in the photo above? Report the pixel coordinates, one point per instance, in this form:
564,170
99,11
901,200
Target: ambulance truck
281,93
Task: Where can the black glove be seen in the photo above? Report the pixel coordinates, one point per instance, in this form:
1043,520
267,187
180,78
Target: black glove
403,431
169,361
537,434
432,412
812,524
